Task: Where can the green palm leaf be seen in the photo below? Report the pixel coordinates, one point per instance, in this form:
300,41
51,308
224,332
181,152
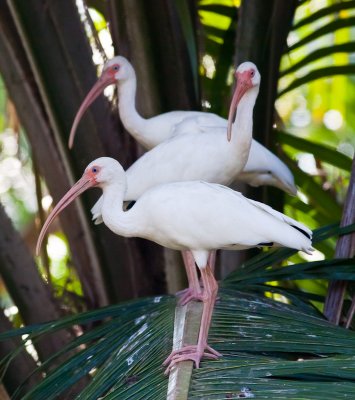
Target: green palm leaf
348,47
124,353
128,352
331,27
323,12
324,153
319,73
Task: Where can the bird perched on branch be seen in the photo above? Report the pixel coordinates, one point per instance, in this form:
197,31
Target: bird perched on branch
215,156
195,216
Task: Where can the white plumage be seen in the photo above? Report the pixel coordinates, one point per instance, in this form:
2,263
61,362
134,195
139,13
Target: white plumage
262,167
203,216
173,207
198,216
192,156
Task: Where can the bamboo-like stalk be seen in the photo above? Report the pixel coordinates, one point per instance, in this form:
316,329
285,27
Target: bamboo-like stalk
186,329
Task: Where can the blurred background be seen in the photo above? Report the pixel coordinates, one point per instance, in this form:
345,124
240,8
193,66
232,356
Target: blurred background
184,53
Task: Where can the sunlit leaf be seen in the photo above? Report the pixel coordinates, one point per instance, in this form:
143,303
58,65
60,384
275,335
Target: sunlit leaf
225,10
320,151
317,196
330,10
320,73
320,53
331,27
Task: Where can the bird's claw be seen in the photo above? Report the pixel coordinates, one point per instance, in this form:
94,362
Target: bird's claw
188,295
192,353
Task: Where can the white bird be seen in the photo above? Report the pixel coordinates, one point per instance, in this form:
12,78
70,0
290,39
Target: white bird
262,167
192,156
195,216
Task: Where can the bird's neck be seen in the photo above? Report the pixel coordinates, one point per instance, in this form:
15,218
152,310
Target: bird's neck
242,129
130,118
119,221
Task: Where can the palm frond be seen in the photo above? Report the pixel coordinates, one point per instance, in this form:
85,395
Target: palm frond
331,27
318,73
324,153
125,353
323,12
348,47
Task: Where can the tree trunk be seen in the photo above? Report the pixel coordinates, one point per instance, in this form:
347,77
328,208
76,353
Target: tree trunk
345,248
60,60
20,368
22,88
24,284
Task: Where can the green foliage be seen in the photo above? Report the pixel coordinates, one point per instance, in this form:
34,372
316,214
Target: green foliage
318,54
320,151
128,349
331,27
323,12
273,348
320,73
276,350
218,35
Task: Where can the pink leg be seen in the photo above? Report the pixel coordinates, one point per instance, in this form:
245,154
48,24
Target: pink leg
196,352
193,292
212,260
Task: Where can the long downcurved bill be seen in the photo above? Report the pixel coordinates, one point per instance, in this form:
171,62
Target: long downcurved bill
83,184
105,80
243,85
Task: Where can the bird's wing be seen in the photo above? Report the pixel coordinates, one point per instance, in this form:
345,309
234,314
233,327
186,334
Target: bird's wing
262,167
200,123
262,161
186,157
283,217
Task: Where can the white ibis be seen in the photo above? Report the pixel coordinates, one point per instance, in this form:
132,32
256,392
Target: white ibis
192,156
262,167
195,216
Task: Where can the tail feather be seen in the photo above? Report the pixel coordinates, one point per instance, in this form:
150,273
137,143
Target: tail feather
309,250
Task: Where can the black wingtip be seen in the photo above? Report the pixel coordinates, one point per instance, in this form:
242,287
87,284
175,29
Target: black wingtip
302,231
130,205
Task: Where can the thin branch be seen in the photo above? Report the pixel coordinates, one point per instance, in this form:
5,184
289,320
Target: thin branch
41,215
94,32
186,329
345,248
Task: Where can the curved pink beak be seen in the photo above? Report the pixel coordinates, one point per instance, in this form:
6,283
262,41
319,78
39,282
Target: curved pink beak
85,182
105,80
243,85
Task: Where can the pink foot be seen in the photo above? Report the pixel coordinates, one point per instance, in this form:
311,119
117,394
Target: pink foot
192,353
188,295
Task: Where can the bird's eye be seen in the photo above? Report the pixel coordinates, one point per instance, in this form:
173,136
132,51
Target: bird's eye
252,73
115,67
94,170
